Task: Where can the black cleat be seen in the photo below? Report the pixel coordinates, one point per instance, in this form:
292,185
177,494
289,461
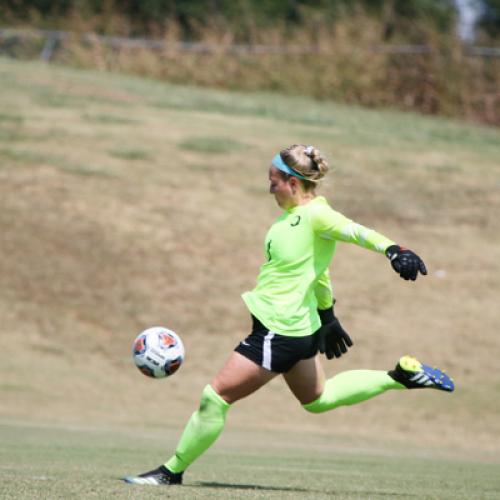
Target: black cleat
156,477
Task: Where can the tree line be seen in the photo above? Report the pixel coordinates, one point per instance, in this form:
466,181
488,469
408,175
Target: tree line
244,18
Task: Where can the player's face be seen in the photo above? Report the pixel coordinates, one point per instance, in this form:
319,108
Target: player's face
280,188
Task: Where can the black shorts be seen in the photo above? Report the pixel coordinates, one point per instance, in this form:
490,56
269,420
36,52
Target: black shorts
277,353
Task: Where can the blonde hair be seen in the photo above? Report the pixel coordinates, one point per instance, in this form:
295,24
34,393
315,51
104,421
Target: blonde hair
307,161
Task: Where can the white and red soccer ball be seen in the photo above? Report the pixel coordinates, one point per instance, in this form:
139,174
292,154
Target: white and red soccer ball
158,352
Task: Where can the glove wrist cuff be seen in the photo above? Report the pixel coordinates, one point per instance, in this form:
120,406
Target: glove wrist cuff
326,315
391,250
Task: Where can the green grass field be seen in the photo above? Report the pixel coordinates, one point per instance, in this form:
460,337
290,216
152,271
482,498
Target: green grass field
52,462
127,203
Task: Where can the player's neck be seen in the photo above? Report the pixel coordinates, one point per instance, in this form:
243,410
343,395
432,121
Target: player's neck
300,199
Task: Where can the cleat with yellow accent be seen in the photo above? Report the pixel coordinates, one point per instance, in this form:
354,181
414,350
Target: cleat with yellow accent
415,375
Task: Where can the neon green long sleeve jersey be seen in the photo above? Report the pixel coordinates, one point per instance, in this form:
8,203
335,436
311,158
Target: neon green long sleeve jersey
294,281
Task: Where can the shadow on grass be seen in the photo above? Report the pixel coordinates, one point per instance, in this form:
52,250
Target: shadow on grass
210,484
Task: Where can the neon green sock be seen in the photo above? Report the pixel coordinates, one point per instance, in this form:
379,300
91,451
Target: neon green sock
351,387
202,429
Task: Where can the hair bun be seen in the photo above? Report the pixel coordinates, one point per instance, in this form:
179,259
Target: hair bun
306,160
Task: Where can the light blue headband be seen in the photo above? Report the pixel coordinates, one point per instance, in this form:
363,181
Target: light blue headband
281,165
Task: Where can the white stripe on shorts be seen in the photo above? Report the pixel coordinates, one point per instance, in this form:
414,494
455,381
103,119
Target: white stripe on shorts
266,351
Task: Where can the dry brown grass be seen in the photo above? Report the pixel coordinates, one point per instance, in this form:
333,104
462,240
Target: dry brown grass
98,245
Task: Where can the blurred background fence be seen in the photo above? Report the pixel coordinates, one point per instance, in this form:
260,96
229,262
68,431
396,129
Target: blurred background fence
27,43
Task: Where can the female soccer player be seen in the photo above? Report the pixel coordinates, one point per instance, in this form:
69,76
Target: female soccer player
293,316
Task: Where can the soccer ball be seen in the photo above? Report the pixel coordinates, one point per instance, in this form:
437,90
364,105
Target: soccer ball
158,352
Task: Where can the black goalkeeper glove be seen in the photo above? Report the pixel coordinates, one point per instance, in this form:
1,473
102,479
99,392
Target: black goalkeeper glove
333,339
405,262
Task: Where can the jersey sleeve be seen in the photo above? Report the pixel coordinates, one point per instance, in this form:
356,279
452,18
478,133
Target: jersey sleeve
332,225
323,291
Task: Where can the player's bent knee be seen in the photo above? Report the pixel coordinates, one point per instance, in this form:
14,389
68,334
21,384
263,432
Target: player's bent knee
316,406
212,406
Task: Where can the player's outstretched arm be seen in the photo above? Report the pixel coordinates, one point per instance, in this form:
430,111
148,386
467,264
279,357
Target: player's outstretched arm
405,262
329,224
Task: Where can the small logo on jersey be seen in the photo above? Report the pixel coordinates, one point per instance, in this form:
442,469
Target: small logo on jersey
296,221
244,342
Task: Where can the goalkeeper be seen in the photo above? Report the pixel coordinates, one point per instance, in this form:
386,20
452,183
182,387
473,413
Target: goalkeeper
293,316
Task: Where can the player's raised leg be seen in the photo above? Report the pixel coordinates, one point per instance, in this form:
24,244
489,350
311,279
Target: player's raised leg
354,386
306,381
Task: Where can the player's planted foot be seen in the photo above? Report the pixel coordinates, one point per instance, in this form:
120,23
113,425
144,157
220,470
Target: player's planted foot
156,477
414,375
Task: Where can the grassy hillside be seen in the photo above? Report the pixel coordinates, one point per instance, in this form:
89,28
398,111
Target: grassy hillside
126,203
